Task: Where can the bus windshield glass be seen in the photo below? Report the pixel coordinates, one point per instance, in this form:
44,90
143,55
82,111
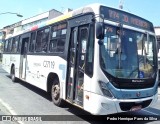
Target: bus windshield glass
129,55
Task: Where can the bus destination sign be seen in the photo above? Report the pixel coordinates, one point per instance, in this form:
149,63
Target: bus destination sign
126,18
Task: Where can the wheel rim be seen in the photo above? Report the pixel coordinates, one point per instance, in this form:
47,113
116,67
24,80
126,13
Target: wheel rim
55,92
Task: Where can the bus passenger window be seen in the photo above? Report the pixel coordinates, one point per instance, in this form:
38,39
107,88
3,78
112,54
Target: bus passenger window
39,41
15,44
32,42
6,45
57,38
45,40
19,44
42,40
53,45
60,45
9,45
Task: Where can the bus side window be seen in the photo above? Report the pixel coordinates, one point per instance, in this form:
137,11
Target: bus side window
45,40
15,44
60,45
19,44
42,40
57,38
6,46
62,39
53,40
90,52
32,42
158,45
9,45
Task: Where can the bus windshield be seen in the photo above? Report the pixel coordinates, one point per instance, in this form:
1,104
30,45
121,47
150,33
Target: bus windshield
129,56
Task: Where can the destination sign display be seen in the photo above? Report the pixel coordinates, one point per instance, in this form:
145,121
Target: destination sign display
126,18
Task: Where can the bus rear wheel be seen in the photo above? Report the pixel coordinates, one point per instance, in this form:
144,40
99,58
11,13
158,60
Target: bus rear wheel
55,93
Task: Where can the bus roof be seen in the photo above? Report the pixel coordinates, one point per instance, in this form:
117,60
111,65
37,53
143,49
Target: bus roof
87,9
65,16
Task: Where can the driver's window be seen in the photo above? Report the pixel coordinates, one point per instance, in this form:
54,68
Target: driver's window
111,40
111,44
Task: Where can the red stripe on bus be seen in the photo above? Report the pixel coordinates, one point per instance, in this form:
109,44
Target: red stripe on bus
34,28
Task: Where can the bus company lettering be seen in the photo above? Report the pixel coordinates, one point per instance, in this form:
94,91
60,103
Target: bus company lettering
37,64
138,81
48,64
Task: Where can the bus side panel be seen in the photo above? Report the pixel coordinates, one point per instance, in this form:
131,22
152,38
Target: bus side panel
39,67
9,60
6,62
15,60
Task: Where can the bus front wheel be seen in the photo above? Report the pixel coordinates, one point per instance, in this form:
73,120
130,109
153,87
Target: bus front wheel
55,93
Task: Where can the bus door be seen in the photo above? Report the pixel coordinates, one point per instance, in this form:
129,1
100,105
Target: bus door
23,60
77,51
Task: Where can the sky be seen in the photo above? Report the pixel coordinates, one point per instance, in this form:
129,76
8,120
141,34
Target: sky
148,9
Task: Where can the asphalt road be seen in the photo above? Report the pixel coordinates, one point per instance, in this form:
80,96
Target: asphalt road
24,99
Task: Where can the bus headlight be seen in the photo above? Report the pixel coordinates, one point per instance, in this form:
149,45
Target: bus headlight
105,90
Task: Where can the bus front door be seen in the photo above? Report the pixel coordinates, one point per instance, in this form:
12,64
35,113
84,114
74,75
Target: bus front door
23,61
77,51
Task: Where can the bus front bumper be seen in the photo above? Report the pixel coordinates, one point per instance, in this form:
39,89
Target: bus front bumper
101,105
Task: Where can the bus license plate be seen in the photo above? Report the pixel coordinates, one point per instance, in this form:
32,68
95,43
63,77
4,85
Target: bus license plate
135,108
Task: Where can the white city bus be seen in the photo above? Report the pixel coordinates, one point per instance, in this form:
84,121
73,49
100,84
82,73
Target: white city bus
101,59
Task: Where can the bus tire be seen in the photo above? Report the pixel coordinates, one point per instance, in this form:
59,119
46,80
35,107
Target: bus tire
55,93
13,77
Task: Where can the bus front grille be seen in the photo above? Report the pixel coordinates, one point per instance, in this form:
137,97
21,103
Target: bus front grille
127,106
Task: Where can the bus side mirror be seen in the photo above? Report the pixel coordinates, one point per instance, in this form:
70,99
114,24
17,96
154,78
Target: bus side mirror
99,30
